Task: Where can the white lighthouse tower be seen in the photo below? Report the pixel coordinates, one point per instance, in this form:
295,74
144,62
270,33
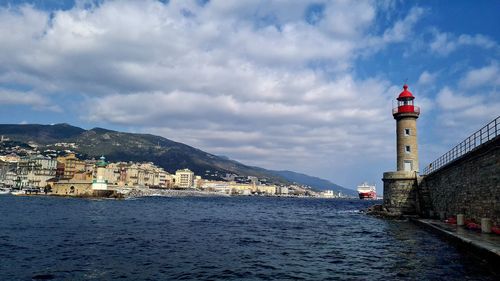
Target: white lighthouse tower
99,183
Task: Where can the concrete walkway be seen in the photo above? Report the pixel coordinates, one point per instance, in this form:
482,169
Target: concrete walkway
486,245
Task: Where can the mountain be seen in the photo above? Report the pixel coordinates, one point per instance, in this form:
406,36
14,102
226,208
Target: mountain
317,183
120,146
41,133
168,154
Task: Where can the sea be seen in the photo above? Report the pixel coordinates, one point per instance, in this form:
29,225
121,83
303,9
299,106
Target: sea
219,238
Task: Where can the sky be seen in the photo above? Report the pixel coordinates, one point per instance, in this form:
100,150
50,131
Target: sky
306,86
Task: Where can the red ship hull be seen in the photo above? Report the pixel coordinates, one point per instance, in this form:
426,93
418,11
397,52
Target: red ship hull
367,195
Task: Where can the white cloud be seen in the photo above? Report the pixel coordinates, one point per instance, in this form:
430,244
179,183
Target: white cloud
445,43
127,46
231,77
462,110
36,101
484,76
403,28
398,32
427,78
449,100
348,19
477,40
278,134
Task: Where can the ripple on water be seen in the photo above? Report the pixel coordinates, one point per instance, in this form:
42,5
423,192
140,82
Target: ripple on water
43,277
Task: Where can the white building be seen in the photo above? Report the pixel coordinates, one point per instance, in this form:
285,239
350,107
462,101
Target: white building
329,194
283,190
44,169
184,178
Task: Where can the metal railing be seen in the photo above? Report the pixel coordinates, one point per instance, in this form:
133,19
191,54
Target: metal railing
406,109
486,133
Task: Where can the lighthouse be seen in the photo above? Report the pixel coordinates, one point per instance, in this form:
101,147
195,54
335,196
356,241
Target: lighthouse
99,183
406,114
400,186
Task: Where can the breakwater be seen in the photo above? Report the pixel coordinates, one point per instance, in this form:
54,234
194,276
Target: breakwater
149,192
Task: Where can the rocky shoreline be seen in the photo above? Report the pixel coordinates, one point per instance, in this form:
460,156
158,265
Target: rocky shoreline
147,192
382,212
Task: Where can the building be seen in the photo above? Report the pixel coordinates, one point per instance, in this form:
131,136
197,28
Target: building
72,188
114,174
266,189
166,180
24,168
11,158
34,171
8,168
184,178
251,188
141,174
282,190
242,188
132,175
44,170
329,194
70,167
215,186
10,178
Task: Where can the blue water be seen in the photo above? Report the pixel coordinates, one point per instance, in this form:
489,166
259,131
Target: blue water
236,238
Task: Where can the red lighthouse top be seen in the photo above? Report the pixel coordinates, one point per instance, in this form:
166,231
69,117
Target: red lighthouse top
405,94
406,106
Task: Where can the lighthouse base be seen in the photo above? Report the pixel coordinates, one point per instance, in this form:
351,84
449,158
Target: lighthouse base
103,193
400,192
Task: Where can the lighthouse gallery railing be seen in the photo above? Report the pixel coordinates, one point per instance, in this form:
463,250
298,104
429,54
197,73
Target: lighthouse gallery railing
486,133
406,109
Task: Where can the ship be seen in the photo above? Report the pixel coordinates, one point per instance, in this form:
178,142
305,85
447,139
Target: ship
367,191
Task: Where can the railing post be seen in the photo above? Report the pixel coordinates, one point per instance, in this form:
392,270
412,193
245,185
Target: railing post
496,131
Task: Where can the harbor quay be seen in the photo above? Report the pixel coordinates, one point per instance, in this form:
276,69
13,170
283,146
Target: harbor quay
483,245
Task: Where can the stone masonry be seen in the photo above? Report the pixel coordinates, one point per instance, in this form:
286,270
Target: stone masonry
400,192
406,135
470,185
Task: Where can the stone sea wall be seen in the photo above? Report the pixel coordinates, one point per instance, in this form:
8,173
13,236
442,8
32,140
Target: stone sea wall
400,192
469,185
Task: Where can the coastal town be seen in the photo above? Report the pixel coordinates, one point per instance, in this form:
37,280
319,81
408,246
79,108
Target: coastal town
29,170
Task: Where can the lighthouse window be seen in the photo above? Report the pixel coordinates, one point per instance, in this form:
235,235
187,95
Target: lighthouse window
407,149
407,132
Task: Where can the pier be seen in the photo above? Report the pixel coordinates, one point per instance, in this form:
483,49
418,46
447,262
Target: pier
484,245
